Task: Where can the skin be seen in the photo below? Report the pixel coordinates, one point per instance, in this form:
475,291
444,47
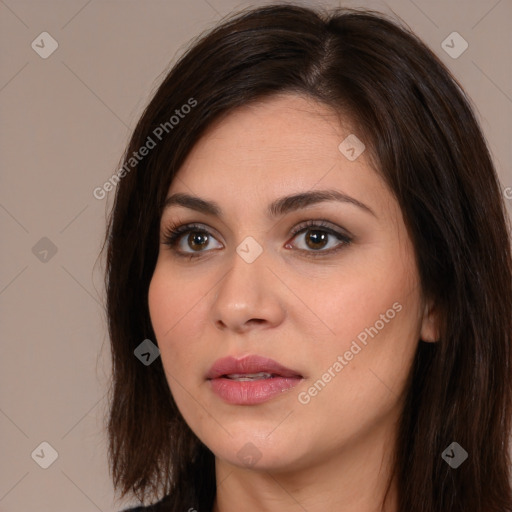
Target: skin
302,311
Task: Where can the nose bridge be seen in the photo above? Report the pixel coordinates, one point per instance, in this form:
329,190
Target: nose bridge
245,275
245,292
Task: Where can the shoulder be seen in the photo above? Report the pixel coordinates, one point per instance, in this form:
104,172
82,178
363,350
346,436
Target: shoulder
161,506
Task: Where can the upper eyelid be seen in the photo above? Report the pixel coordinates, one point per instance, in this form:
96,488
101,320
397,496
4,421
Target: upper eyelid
300,227
321,223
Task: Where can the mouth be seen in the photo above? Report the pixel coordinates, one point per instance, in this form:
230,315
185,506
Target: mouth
251,380
244,377
252,367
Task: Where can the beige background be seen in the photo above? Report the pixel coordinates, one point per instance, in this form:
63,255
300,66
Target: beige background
65,121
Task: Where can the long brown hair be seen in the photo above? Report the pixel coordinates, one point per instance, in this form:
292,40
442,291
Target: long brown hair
424,140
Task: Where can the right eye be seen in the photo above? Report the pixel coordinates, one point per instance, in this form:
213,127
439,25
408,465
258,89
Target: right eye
198,237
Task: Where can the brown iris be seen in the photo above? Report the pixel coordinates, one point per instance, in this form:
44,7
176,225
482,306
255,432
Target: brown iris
194,240
317,238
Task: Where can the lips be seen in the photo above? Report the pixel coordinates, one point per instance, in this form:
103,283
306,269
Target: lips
249,365
251,380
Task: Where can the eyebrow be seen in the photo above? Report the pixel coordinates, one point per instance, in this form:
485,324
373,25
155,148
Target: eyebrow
277,208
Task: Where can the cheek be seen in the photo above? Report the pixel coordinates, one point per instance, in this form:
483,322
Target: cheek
364,387
354,303
373,320
172,302
160,302
178,308
172,310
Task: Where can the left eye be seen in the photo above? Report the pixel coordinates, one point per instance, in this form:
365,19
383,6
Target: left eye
317,238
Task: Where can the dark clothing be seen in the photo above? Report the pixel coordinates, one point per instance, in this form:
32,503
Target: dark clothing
162,506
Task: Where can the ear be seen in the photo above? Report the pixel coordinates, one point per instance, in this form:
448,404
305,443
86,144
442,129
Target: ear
430,323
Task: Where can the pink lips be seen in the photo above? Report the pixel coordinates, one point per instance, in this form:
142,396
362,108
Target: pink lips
250,392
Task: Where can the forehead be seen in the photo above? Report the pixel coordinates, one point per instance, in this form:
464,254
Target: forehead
282,126
274,147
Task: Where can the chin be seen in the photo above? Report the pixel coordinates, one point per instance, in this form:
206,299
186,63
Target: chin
254,451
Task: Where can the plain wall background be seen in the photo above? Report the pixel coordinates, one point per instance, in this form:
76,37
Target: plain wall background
65,122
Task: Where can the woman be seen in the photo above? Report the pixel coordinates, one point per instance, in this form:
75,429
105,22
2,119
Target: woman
309,227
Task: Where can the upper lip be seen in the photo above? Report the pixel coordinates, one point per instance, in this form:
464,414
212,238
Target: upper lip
249,364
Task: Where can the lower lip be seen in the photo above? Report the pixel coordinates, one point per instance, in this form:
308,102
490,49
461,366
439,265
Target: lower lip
251,392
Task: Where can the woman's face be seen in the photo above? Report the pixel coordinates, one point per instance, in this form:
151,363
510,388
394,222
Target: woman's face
337,302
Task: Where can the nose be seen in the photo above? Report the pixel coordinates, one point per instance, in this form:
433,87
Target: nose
248,296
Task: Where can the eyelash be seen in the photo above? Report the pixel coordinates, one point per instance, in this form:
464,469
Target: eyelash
174,232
